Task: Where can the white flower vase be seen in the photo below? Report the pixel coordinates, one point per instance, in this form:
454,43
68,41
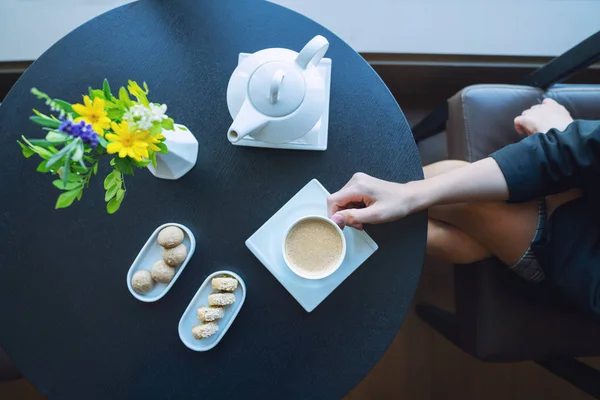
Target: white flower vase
182,155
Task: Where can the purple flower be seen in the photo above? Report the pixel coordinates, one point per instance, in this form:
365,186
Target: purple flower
80,130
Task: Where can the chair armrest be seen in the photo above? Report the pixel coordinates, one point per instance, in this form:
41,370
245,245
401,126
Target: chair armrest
480,119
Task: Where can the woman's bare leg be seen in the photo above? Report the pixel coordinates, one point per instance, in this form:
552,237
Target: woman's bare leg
445,241
448,243
505,230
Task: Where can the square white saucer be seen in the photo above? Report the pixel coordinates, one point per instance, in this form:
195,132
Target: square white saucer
266,244
316,138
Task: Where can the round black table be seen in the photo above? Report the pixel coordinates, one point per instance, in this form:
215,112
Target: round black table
66,316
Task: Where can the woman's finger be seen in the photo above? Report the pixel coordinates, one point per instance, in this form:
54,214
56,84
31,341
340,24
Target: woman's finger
518,126
527,125
548,100
340,200
356,218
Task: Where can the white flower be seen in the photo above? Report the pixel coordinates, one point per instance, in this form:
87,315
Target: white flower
127,116
144,124
145,116
158,112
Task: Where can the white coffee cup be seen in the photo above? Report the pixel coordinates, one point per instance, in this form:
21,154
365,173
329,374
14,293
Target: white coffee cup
303,273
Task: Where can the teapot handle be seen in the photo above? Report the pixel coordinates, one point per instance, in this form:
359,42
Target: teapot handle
313,52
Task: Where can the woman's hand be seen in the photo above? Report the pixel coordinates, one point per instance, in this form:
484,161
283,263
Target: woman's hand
368,200
542,118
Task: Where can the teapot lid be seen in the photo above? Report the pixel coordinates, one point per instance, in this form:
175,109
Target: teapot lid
276,89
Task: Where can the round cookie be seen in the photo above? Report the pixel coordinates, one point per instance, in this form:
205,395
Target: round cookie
170,236
175,255
224,283
161,272
221,299
205,330
208,314
142,281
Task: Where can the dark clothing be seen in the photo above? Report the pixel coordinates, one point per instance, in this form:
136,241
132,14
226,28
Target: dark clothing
552,163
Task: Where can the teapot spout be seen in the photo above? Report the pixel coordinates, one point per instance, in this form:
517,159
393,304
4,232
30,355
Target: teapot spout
247,122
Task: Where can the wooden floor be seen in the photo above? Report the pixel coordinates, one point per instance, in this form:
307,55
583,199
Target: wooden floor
422,365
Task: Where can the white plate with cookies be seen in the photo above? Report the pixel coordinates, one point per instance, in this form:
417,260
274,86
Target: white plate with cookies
160,262
212,310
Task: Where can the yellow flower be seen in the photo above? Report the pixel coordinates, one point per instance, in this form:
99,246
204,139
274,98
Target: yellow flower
93,113
152,140
127,143
138,92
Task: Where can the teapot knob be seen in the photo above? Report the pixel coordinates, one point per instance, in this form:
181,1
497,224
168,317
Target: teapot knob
275,86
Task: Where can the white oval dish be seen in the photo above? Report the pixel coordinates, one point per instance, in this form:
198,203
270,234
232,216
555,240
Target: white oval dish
189,319
151,253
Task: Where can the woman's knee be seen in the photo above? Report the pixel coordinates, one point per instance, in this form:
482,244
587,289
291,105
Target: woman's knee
448,243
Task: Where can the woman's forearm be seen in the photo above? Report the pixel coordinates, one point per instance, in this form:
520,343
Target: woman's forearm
480,181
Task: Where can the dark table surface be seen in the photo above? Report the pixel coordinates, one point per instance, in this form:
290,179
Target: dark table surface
66,316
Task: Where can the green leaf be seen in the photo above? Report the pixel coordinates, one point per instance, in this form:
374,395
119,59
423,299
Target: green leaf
54,136
74,178
66,107
142,164
113,205
95,168
67,169
106,89
112,162
154,159
96,93
156,128
110,193
39,114
163,148
120,195
168,124
79,169
46,143
102,141
42,167
110,179
51,123
78,153
124,97
124,166
67,198
67,186
181,128
42,152
109,104
115,114
65,150
80,194
27,152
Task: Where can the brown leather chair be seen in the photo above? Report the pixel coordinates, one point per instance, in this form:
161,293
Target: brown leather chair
499,317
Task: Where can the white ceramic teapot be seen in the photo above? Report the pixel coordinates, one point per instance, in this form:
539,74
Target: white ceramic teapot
277,95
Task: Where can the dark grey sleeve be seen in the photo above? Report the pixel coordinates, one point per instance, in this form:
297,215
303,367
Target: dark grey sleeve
550,163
